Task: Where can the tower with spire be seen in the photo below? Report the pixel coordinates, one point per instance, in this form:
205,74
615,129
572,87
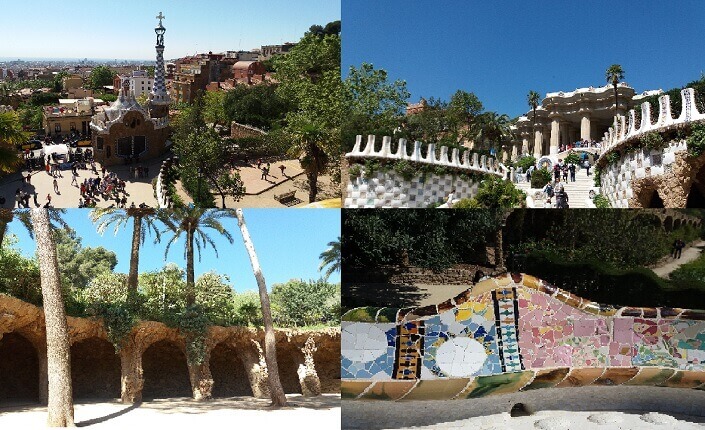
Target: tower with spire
159,97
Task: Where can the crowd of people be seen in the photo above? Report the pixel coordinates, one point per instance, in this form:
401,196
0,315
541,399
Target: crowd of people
580,144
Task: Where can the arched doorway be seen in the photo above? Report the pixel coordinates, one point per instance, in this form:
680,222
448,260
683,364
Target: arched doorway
229,376
676,223
19,370
655,201
668,223
287,370
95,369
165,371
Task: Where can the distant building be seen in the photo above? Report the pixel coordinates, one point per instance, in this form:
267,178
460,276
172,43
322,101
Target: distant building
245,71
194,74
71,82
243,55
140,83
70,117
128,131
269,51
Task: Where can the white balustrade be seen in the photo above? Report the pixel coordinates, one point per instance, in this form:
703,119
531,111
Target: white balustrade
482,164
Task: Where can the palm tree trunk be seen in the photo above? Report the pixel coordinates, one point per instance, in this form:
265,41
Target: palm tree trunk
312,177
615,99
60,405
190,282
134,258
270,349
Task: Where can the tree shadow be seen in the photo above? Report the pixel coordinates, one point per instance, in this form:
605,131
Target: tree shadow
358,294
99,420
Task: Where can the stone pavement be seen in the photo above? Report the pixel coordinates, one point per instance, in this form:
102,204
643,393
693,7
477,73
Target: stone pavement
252,176
139,190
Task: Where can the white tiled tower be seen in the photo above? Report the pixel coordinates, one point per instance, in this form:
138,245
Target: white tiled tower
159,97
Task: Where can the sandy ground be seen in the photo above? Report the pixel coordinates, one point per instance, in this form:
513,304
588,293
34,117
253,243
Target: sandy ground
584,408
689,254
321,412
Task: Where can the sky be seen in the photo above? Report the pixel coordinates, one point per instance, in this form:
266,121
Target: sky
125,30
288,243
500,50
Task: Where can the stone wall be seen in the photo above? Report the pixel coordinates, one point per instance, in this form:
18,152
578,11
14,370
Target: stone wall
238,131
460,274
517,333
390,190
151,362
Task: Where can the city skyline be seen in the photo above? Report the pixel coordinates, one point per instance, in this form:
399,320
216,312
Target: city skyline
501,53
236,26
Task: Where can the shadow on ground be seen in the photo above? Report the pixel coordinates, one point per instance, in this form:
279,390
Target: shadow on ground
357,294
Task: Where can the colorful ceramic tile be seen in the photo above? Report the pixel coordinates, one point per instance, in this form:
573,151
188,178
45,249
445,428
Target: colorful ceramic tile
547,378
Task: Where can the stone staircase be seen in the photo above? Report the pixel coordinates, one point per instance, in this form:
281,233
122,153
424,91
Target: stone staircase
578,191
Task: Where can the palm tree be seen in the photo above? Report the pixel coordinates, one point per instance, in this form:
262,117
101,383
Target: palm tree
534,99
613,75
308,148
23,215
330,257
143,221
60,406
270,345
191,222
11,133
492,128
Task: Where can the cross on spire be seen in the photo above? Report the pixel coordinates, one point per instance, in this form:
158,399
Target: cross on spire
160,17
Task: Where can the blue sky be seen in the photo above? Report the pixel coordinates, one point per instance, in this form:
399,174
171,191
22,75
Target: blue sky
288,243
502,49
125,29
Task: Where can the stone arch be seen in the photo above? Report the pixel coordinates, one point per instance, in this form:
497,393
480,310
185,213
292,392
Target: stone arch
165,371
19,370
668,223
95,369
288,362
650,198
676,223
228,372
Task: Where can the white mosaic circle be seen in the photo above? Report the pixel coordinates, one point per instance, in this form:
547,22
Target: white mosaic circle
363,342
461,356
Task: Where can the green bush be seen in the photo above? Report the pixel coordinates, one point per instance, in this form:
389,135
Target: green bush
300,303
248,310
596,179
496,192
19,276
525,162
601,202
653,140
261,146
572,158
540,177
355,171
696,140
405,169
466,204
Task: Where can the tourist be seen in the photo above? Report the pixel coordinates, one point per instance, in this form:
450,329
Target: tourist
449,199
529,172
264,173
259,163
56,186
102,169
679,248
571,169
586,166
282,168
557,172
561,197
674,248
48,203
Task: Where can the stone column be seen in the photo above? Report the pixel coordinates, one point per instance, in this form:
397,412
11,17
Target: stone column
131,380
585,132
555,136
538,144
256,368
201,378
524,146
514,151
308,377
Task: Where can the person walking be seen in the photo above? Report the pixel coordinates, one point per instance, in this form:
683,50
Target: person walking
679,247
450,198
74,181
56,186
571,169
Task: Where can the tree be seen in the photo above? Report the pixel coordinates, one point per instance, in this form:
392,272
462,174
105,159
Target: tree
23,215
79,264
372,104
192,222
492,130
614,74
11,134
256,105
101,76
143,221
301,303
214,108
58,81
331,258
309,76
462,110
276,390
533,98
60,406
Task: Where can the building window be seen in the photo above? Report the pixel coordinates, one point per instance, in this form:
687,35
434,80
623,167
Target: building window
57,128
73,126
107,152
99,143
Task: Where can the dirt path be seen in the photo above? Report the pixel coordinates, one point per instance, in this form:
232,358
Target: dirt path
689,254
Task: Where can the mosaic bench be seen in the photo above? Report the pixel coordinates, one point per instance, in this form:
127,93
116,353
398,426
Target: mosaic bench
516,333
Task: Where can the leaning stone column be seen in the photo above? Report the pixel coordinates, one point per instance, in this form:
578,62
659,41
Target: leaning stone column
256,368
131,380
524,146
308,378
585,131
555,136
